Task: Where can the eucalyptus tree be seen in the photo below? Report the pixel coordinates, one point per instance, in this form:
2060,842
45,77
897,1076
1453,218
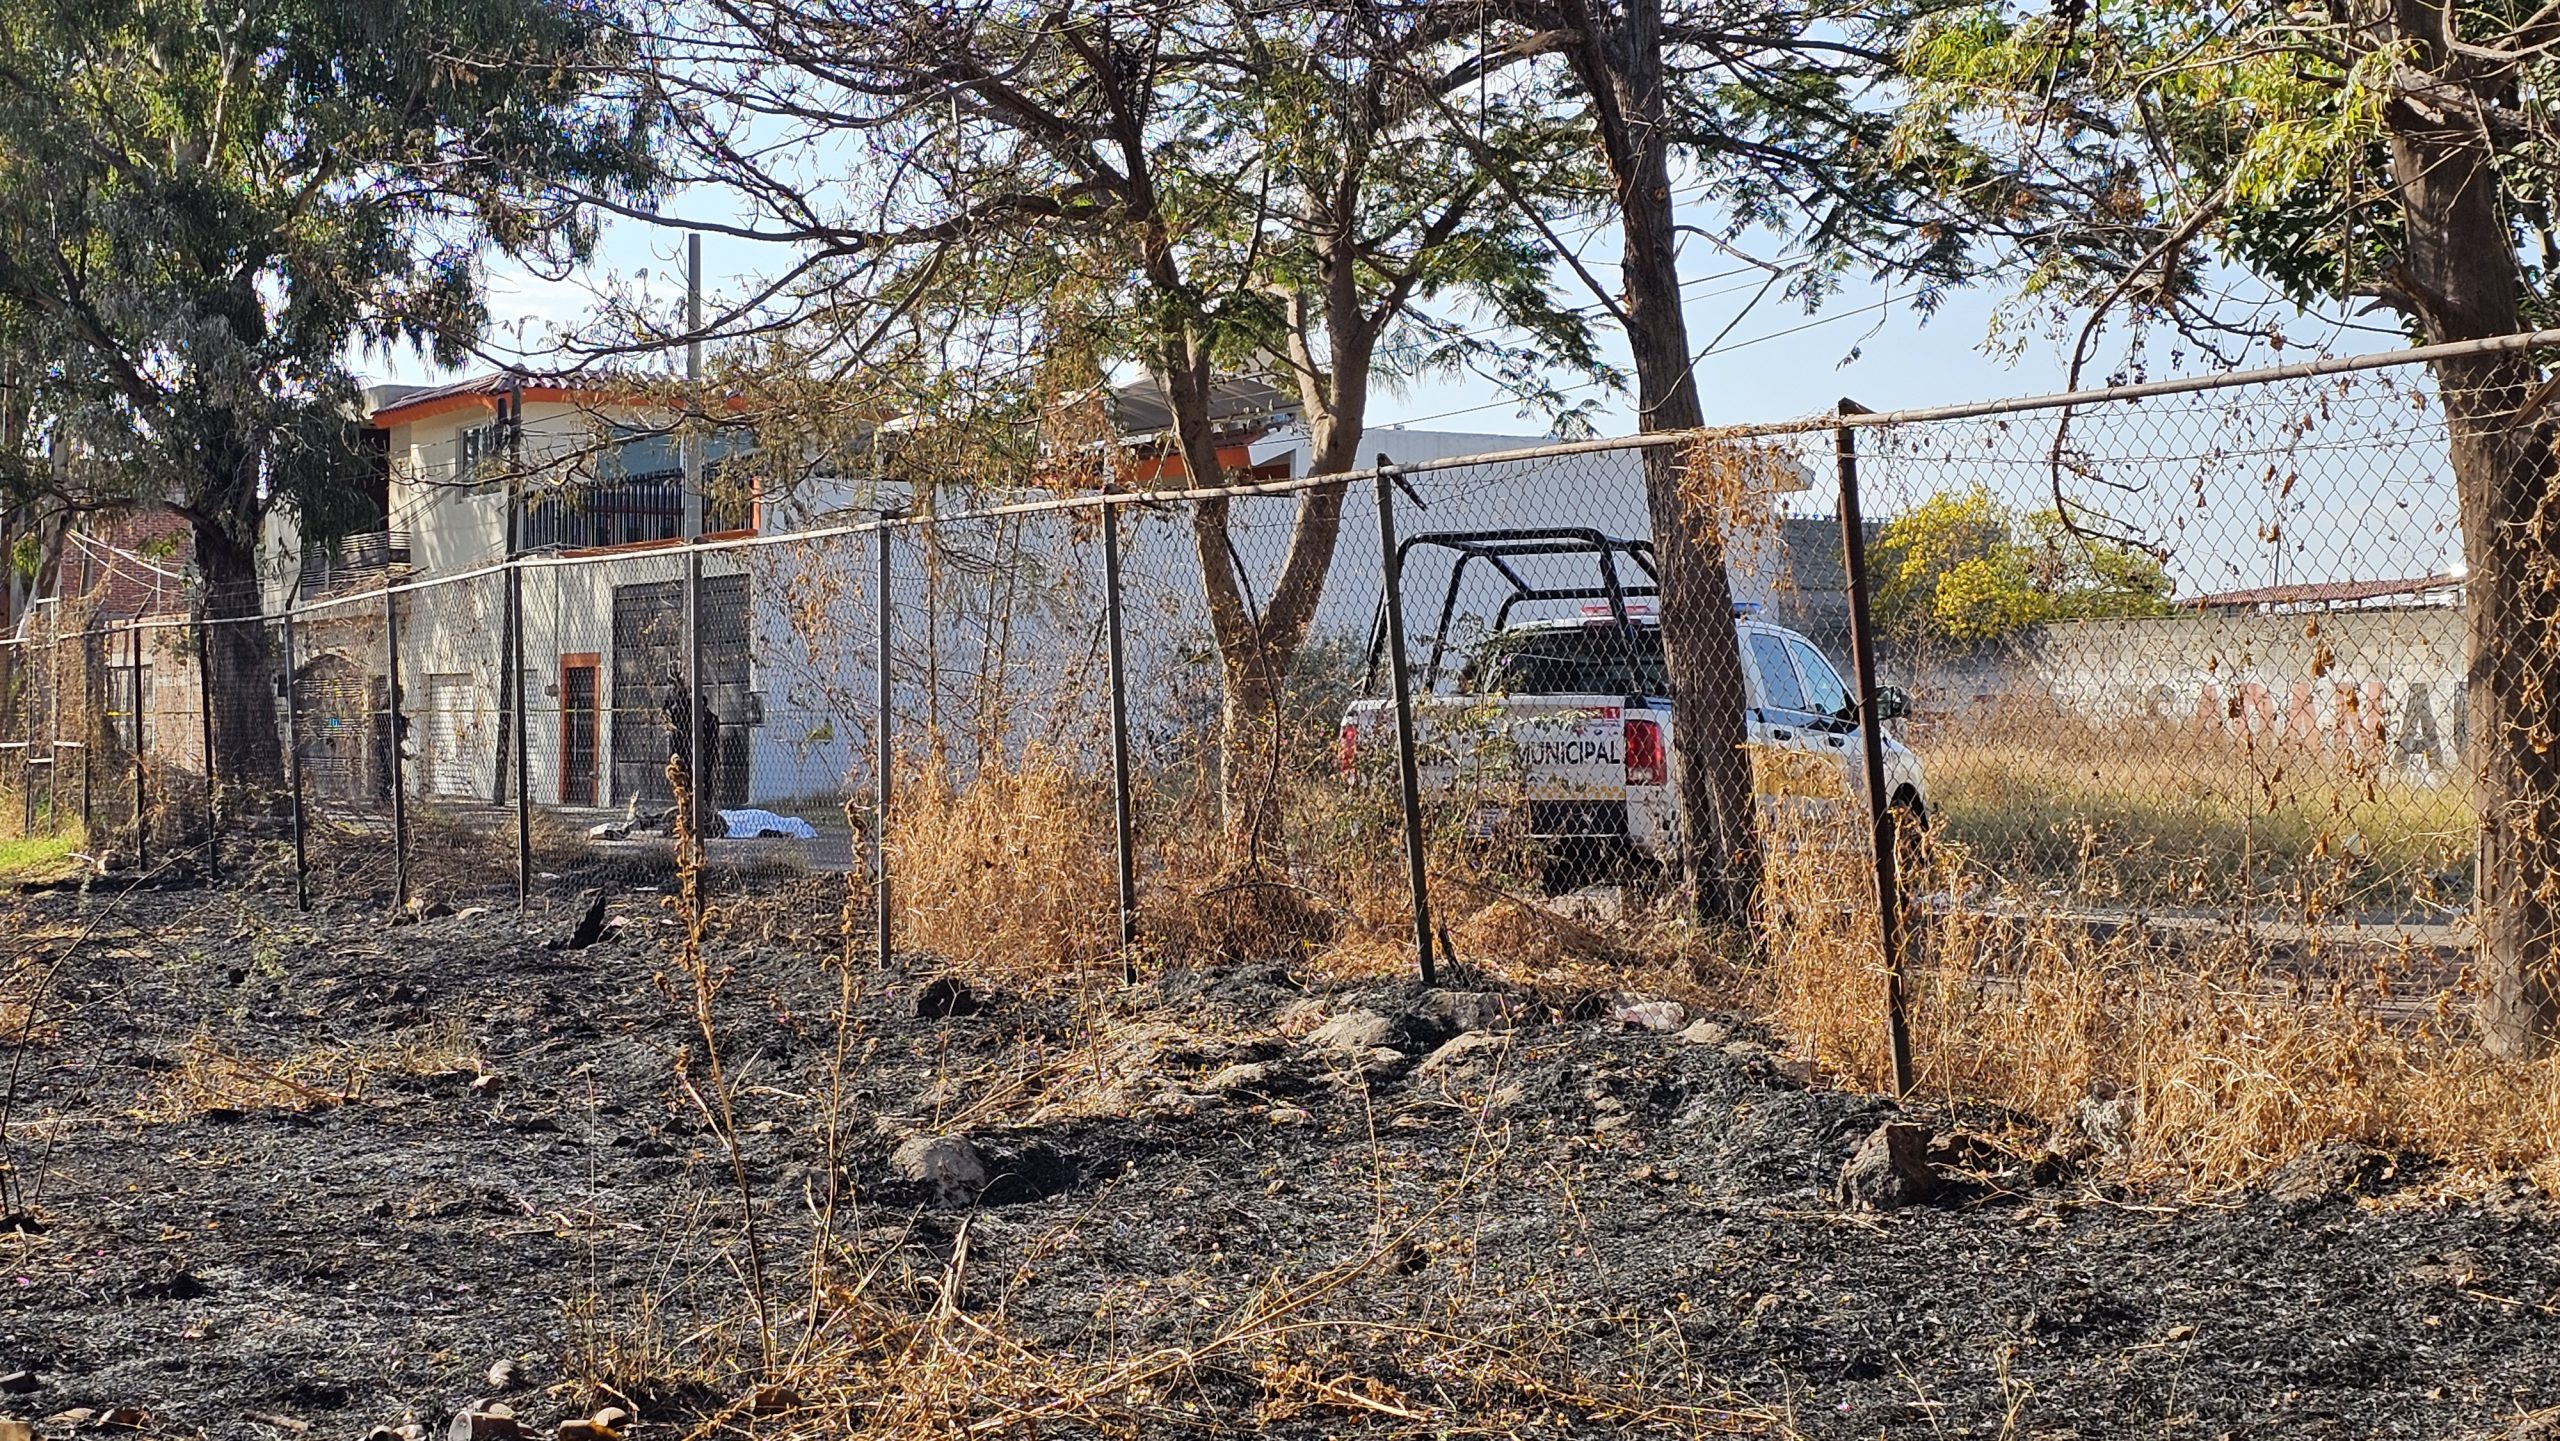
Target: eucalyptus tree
205,207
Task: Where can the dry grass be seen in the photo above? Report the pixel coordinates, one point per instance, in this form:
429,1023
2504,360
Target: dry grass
892,1352
2224,1068
210,1078
2164,814
2222,1075
881,1343
1005,878
1013,872
2221,1065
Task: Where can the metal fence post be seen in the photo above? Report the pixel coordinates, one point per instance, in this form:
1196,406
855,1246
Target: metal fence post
92,725
883,759
1862,653
1400,670
293,773
523,741
694,713
693,502
511,686
20,715
399,777
26,746
53,728
141,797
13,681
1122,824
204,728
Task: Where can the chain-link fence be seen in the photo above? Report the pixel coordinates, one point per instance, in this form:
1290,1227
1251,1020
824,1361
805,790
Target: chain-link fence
2180,664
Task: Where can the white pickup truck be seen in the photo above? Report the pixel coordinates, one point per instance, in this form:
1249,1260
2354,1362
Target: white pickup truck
1568,718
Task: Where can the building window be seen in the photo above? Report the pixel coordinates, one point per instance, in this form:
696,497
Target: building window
477,443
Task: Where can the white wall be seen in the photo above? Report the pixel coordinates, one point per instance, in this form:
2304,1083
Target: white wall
1016,628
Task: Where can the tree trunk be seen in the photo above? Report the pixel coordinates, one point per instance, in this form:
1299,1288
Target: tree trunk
2458,275
1620,63
1257,651
2511,542
240,665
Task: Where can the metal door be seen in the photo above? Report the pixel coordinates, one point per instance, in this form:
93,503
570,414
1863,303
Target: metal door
578,716
648,667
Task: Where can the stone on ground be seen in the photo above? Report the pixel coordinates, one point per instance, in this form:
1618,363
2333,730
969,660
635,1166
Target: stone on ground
952,1167
1890,1169
1354,1032
1662,1018
1463,1011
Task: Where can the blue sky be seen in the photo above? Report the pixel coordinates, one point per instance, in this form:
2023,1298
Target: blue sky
1778,362
2356,503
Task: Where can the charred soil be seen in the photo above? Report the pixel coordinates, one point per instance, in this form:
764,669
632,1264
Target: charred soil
285,1173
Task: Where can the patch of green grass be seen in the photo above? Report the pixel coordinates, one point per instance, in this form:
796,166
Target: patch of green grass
39,859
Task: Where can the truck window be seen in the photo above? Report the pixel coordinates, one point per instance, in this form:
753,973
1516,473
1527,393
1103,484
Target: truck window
1596,660
1778,687
1824,691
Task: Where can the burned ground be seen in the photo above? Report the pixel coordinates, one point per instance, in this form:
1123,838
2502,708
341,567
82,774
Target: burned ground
316,1172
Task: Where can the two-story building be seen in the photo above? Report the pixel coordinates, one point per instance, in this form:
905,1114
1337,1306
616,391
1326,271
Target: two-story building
463,476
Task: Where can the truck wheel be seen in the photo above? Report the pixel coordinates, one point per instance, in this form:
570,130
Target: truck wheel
1572,864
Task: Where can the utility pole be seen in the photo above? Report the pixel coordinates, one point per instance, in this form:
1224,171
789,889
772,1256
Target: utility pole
511,686
697,763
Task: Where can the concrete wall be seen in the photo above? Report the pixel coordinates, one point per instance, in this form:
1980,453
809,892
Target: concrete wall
2374,683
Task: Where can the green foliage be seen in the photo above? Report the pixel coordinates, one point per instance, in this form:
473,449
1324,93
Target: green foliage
206,206
2165,137
1966,567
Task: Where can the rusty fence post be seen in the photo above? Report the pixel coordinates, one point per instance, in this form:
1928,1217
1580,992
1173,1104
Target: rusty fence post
1880,816
399,770
293,772
53,727
884,758
141,797
1123,821
204,735
517,679
1400,672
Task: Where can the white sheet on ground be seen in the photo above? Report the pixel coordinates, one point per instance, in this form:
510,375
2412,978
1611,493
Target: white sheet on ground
749,824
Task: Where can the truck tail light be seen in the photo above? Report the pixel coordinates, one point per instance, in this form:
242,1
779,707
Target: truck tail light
1347,757
1646,765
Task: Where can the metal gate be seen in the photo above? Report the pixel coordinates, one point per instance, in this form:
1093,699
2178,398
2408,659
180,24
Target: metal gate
648,686
337,725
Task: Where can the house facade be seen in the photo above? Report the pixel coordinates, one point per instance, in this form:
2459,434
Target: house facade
591,485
